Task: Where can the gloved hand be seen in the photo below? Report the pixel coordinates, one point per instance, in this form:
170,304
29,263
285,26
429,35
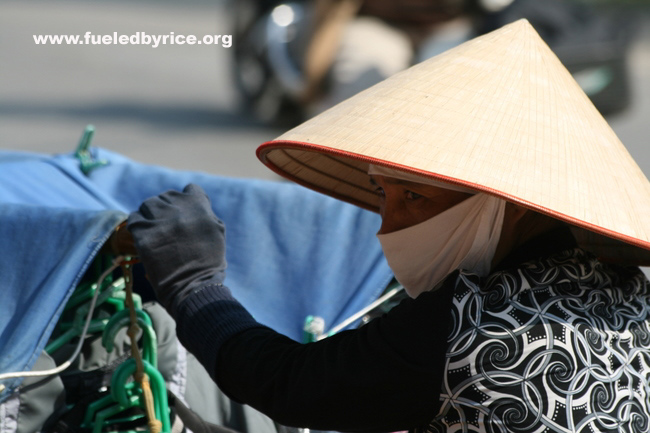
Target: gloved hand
180,242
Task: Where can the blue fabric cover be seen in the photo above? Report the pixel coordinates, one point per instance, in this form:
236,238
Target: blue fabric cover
291,252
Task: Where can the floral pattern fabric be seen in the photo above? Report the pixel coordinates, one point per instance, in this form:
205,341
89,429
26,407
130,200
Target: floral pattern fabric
556,345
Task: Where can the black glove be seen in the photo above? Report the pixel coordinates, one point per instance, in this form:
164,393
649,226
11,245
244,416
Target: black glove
180,242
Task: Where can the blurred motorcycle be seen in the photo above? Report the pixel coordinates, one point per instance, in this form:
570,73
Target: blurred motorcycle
270,41
283,50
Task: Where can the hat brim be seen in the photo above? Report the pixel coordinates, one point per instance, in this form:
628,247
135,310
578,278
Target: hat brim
344,175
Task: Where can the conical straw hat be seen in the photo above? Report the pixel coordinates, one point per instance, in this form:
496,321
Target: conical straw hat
499,114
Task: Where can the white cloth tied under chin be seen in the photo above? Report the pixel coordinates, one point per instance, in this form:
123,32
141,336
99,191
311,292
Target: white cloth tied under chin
464,236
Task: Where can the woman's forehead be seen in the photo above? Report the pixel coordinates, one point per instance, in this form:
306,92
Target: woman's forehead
376,179
401,177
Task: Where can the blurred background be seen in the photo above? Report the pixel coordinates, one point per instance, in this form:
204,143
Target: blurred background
207,107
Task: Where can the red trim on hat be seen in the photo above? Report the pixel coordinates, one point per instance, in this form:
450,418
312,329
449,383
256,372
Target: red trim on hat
278,144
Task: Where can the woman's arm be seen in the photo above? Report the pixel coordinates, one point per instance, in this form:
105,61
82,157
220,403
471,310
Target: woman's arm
384,376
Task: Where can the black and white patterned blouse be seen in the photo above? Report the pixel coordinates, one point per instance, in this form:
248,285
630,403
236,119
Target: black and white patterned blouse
554,345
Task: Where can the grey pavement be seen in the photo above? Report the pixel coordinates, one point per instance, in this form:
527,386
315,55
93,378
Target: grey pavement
172,105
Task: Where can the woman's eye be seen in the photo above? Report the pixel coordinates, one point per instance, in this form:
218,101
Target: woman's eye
410,195
379,190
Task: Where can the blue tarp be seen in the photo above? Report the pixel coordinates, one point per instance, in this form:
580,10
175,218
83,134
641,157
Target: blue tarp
291,252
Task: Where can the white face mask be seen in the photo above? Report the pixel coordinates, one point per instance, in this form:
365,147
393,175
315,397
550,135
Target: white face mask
464,236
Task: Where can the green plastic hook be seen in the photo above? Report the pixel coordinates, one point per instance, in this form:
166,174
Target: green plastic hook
75,328
104,417
114,295
87,161
122,394
85,292
122,319
95,326
126,394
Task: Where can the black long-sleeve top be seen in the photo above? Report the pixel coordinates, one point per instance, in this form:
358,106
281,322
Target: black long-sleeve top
384,376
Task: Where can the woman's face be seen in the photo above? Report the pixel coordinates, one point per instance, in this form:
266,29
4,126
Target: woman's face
404,204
